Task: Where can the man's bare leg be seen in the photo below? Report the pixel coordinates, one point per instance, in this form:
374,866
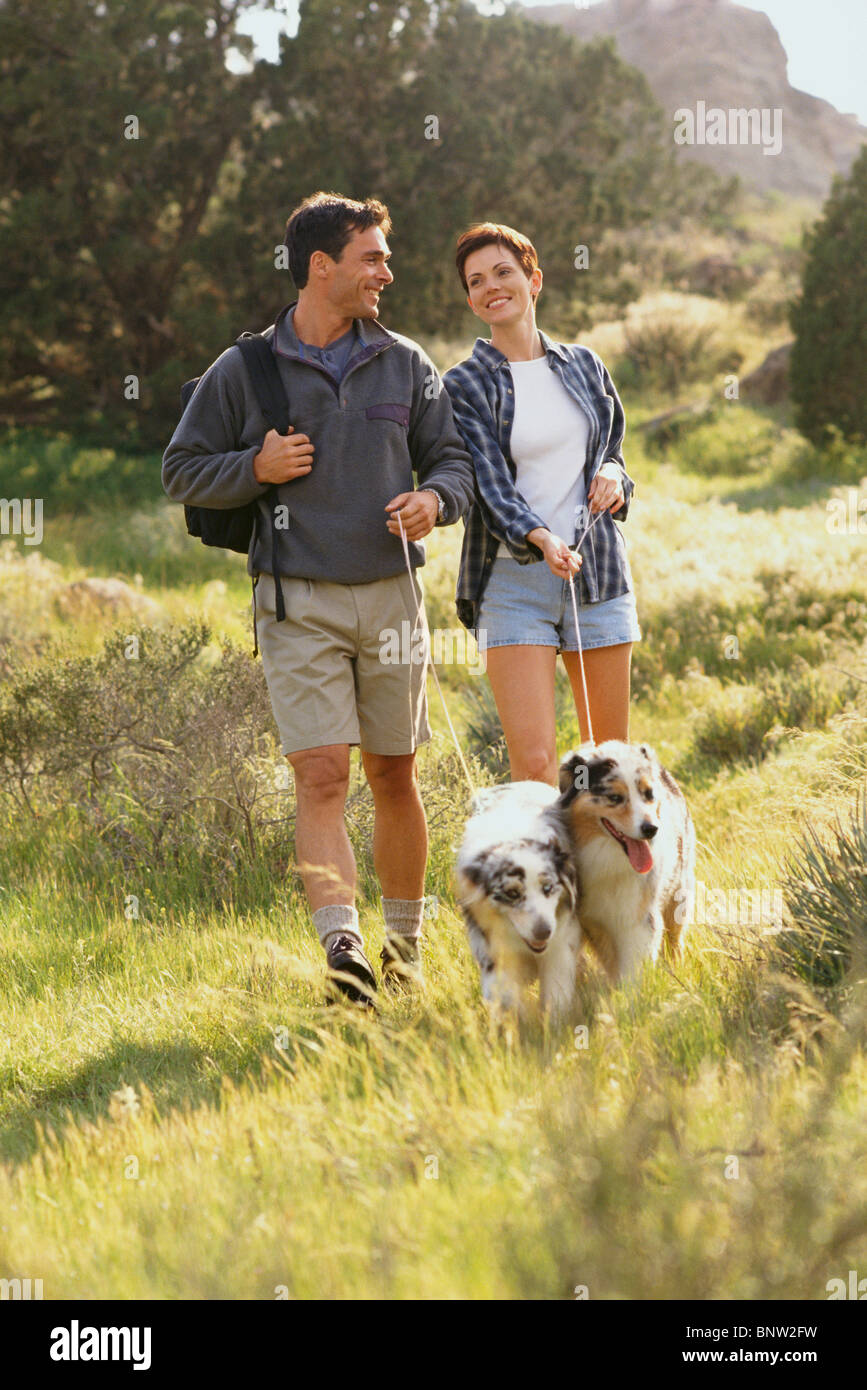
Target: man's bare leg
400,845
327,864
322,848
400,827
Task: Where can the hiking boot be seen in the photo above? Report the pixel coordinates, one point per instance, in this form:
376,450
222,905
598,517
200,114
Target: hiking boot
349,970
401,964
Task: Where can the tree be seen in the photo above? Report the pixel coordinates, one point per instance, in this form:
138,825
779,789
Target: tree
450,117
829,318
144,257
115,122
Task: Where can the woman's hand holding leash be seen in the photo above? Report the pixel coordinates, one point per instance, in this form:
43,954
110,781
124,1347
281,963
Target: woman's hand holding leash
605,493
560,558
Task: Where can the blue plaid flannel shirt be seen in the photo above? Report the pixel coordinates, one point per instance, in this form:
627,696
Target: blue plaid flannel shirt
483,400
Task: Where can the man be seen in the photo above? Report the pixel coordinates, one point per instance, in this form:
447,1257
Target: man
367,411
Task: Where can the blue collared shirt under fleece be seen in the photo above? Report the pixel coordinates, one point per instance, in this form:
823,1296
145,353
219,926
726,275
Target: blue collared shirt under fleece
482,394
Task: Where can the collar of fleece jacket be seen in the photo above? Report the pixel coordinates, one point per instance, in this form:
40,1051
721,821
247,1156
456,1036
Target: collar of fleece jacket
369,332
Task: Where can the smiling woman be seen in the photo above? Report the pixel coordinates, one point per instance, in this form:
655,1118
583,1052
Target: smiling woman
544,427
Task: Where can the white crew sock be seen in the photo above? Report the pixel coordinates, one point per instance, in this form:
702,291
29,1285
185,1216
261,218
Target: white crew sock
403,916
337,919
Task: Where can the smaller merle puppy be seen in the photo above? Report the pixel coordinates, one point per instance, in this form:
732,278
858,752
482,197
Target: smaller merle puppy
517,891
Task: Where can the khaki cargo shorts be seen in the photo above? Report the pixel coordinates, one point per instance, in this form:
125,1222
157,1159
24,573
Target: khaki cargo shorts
347,664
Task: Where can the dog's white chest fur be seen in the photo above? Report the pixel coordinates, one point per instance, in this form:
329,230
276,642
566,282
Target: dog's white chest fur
614,900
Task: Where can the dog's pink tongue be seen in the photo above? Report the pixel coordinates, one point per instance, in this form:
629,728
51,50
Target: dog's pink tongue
639,855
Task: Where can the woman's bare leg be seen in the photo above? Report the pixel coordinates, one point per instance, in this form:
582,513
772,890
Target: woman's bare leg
608,673
522,679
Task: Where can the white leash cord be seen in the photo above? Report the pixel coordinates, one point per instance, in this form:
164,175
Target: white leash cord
577,546
433,669
420,616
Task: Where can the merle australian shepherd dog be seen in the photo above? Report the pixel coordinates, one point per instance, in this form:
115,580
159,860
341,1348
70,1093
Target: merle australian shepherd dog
633,846
517,891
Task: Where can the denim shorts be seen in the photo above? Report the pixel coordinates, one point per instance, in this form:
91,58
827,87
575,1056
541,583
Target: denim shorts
527,605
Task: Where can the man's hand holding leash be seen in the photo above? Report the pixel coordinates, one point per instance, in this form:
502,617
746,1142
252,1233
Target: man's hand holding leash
418,512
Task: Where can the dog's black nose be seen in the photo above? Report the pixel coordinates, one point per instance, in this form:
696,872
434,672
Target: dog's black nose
648,829
541,931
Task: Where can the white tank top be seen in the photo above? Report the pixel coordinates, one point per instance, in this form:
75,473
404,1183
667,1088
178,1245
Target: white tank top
550,432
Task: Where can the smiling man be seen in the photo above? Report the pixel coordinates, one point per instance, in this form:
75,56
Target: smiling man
367,412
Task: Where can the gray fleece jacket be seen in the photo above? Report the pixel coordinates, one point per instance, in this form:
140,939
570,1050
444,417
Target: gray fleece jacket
388,418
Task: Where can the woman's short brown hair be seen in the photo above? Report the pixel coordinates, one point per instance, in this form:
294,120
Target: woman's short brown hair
495,234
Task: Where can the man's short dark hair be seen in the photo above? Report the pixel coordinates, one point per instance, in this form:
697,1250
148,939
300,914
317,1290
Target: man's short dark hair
325,222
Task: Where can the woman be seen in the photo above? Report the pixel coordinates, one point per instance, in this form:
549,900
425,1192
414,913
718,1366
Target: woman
544,426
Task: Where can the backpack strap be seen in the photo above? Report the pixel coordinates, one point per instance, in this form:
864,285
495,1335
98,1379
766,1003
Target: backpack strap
267,383
270,392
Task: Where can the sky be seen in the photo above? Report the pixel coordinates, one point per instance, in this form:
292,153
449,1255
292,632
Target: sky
826,43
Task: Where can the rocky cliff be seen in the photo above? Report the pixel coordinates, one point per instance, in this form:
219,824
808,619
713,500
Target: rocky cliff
710,57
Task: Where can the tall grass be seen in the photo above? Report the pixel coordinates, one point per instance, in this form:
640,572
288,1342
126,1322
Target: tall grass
182,1116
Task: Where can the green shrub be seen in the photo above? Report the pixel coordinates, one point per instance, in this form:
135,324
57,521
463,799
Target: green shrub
793,622
743,722
829,318
484,732
732,440
75,479
668,349
836,459
159,749
825,889
150,540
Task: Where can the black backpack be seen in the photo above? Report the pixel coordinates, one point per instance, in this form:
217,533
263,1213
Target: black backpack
233,528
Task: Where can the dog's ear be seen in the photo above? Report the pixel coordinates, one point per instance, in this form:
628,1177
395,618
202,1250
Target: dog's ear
656,769
475,870
571,779
579,774
567,874
598,770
